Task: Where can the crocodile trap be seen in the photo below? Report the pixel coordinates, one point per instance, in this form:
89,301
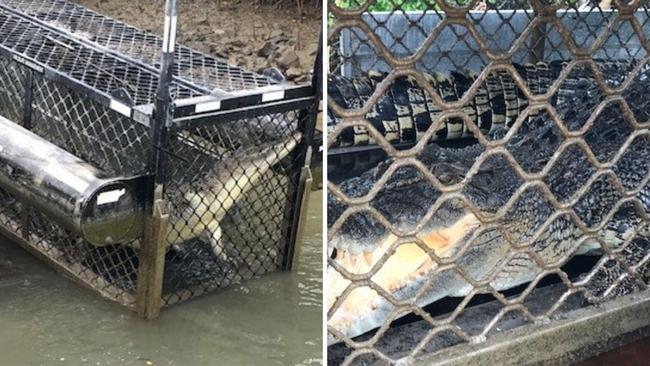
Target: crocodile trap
489,194
143,169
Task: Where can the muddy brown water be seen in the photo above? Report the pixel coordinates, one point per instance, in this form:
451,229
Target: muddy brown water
46,319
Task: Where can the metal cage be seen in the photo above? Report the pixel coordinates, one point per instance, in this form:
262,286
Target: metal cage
488,187
216,156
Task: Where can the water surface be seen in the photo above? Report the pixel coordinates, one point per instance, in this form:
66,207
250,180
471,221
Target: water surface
46,319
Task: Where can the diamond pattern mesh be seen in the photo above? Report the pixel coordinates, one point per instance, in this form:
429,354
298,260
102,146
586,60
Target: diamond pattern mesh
199,69
231,187
101,137
489,169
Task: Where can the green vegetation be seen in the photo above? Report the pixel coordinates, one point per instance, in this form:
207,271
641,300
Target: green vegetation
388,5
422,5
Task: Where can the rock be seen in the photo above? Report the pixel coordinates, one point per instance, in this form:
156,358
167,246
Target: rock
267,49
312,49
242,63
277,36
218,32
277,33
303,79
247,51
287,57
294,73
278,40
261,64
274,74
202,21
237,43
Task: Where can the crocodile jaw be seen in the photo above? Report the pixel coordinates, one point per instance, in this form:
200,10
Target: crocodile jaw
404,272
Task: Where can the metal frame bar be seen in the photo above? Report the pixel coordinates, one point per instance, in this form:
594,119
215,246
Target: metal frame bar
216,117
161,117
307,120
580,334
187,109
152,254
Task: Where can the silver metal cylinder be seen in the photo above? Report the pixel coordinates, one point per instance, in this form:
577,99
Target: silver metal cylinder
103,210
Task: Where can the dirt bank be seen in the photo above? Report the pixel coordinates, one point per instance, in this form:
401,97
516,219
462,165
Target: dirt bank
244,32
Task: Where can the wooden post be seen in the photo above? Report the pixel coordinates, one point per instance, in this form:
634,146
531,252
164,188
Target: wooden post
152,260
307,125
306,181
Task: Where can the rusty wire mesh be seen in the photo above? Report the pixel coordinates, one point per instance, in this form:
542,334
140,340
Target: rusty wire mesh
505,177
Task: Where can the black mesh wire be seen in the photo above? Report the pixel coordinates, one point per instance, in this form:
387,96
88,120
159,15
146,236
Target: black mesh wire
488,169
107,139
11,91
101,137
199,69
231,186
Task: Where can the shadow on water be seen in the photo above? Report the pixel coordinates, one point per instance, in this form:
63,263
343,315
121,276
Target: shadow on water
275,320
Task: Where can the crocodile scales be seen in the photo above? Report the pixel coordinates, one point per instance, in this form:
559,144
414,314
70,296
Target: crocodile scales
483,251
405,112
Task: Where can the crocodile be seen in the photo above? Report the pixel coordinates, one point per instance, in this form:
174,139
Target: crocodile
223,179
406,111
482,251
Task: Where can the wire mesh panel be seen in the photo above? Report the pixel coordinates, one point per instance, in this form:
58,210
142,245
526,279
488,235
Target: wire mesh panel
230,188
192,66
115,144
208,198
489,169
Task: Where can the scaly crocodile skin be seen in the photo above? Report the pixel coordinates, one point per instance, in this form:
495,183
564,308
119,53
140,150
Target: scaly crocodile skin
407,196
406,111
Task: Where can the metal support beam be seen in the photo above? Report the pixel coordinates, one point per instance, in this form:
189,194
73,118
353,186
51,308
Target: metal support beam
307,120
28,86
580,334
306,181
162,112
152,251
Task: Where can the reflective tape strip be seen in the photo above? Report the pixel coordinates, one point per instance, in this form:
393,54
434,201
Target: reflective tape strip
207,107
110,196
29,64
169,37
120,108
271,96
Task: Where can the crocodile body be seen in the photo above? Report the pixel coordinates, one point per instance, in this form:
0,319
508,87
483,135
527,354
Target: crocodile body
405,112
455,231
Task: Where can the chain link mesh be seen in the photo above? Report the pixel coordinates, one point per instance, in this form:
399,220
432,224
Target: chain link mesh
230,188
492,169
101,137
201,70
